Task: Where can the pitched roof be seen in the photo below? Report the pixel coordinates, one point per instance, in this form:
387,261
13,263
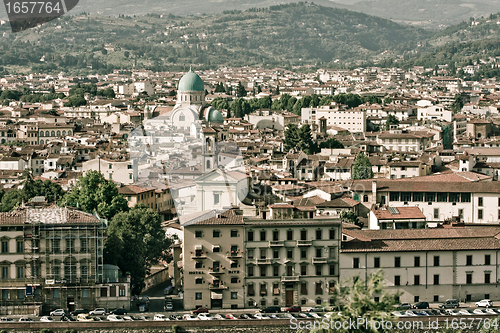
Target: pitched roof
400,213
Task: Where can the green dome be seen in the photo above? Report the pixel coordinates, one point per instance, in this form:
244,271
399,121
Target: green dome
191,82
215,116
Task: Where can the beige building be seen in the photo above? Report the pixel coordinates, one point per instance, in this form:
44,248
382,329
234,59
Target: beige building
52,257
120,171
236,262
428,264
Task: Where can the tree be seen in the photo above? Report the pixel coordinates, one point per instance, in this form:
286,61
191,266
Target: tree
93,193
220,103
350,217
292,138
220,88
108,92
361,168
391,120
240,90
306,140
356,301
136,241
10,200
126,54
458,103
331,143
265,102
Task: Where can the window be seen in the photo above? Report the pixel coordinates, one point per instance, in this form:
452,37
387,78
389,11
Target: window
263,289
104,292
418,196
397,280
275,235
442,197
121,291
332,233
84,271
251,291
198,296
263,253
394,196
303,288
318,253
234,295
198,265
289,235
216,198
234,264
318,234
436,260
319,270
250,236
332,269
112,291
289,254
250,253
20,294
198,280
303,235
416,280
436,213
216,248
198,234
406,196
85,292
480,201
465,197
262,235
234,280
416,261
5,272
303,254
276,254
436,279
319,288
469,260
20,272
19,246
303,270
263,271
416,298
83,245
468,278
276,289
216,233
397,261
479,214
376,262
487,259
454,197
430,196
5,247
276,270
355,262
487,276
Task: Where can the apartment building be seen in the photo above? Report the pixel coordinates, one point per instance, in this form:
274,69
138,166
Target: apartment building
118,170
354,120
52,257
403,141
236,262
428,264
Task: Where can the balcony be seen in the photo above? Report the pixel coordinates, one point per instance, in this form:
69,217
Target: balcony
234,254
263,261
292,278
276,243
217,286
319,260
198,255
304,243
216,271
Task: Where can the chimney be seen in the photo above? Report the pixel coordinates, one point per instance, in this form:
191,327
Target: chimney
374,191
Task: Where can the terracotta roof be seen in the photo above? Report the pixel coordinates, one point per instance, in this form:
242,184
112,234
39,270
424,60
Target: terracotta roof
403,213
339,203
132,189
47,215
213,218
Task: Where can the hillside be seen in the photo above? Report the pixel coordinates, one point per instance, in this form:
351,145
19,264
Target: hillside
295,34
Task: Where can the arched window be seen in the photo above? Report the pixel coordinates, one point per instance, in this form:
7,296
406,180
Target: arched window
58,133
182,117
41,142
47,133
63,133
41,133
52,133
69,132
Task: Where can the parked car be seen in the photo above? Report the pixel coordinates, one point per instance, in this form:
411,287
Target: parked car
25,319
294,308
271,309
200,310
220,316
67,318
480,311
6,319
113,317
57,312
84,317
421,305
206,316
261,316
168,306
189,317
160,317
98,312
46,319
405,306
78,311
450,304
317,309
485,303
230,316
120,312
175,317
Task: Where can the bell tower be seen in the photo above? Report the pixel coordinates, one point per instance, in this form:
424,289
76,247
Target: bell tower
209,150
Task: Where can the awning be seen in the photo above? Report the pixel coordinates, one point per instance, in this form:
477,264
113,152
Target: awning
198,247
216,295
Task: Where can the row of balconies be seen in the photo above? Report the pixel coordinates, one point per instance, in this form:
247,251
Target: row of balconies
269,261
298,243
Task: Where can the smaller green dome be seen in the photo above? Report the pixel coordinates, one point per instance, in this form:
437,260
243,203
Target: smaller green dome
215,116
191,82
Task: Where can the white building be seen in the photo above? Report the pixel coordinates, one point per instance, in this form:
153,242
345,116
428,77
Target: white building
353,120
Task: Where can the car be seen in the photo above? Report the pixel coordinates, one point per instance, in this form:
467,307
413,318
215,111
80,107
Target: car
288,316
98,312
25,319
175,317
450,304
160,317
491,311
411,313
422,313
200,310
273,315
484,303
421,305
6,319
113,317
67,318
78,311
261,316
119,312
97,319
452,312
129,318
230,316
294,308
189,317
436,312
83,317
315,315
220,316
466,312
206,316
271,309
46,319
145,318
399,313
317,309
168,306
405,306
58,312
480,311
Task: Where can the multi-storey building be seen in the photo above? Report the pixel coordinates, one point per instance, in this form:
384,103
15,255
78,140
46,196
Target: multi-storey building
52,257
235,262
428,264
353,120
